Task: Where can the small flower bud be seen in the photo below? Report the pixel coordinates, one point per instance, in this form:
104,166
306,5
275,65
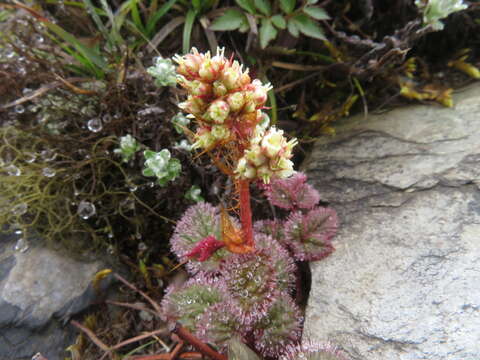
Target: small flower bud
230,77
255,156
200,88
236,101
244,170
206,71
218,111
273,142
204,139
219,88
220,132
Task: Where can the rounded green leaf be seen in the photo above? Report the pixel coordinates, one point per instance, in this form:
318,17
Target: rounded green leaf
263,6
287,6
279,21
293,28
316,12
231,20
246,5
267,32
308,27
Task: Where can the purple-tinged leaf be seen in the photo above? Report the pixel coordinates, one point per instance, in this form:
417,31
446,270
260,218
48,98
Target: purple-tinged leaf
309,235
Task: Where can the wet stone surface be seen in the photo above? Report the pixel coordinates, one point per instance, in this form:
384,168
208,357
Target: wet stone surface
40,290
404,281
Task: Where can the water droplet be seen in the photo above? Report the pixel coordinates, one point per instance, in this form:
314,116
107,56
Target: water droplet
38,39
48,172
12,170
26,91
94,125
142,246
86,209
106,118
20,209
21,245
132,187
29,157
138,236
151,184
110,235
19,109
48,155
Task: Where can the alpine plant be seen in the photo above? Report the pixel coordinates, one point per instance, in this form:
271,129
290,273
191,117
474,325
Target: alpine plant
243,276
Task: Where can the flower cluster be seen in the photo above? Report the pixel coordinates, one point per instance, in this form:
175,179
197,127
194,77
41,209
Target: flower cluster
227,106
268,156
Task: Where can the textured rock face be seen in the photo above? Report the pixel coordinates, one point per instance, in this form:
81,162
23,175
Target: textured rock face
404,283
39,291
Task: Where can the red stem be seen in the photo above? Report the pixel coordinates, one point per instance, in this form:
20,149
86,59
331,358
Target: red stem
185,335
246,211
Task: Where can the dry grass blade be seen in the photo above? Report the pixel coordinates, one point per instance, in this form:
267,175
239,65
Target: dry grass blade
131,306
165,31
212,40
297,67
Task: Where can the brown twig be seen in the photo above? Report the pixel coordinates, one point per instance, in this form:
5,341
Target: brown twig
163,331
176,350
91,335
148,298
187,336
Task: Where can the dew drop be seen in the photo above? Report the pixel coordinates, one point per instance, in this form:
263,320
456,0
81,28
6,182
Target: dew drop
12,170
106,118
18,232
19,109
20,209
142,246
21,245
48,155
29,157
94,125
48,172
86,209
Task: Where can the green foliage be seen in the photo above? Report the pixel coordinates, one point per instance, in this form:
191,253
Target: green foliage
303,19
164,72
128,147
180,122
194,194
162,166
435,10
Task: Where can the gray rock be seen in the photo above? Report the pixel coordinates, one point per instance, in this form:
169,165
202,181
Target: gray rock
404,283
39,292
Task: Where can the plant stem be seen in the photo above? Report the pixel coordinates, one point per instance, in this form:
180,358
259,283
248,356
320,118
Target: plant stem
185,335
246,211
